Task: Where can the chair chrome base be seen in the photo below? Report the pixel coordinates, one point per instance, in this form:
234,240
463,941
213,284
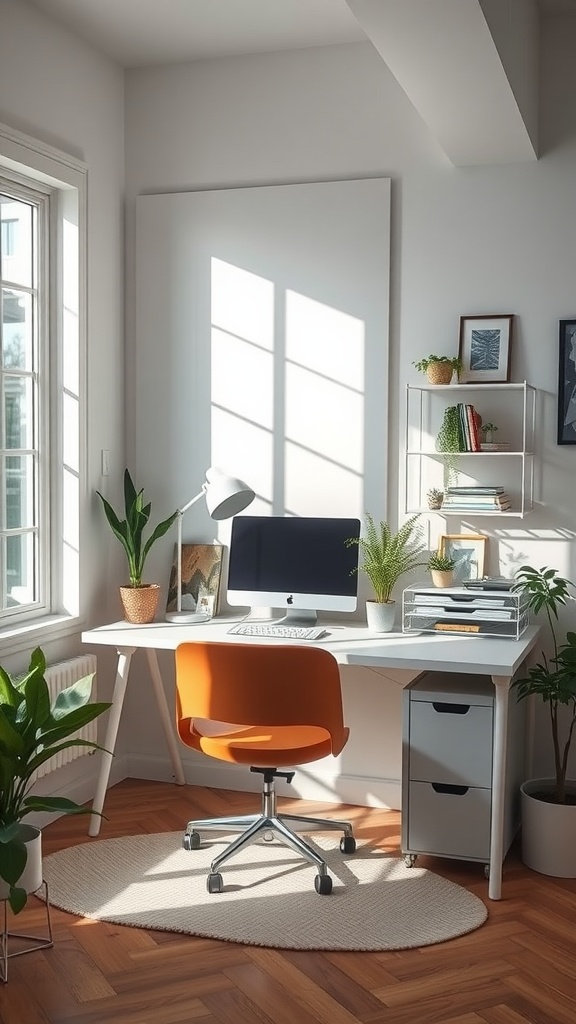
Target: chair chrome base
269,824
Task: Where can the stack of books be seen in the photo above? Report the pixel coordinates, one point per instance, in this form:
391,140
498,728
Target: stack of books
476,498
469,421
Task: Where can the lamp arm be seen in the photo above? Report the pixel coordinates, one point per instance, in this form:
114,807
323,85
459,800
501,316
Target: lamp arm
181,512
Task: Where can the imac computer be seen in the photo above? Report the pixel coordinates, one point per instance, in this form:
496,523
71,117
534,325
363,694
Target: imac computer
302,565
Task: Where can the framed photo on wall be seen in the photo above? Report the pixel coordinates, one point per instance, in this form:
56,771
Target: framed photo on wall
485,344
468,551
567,383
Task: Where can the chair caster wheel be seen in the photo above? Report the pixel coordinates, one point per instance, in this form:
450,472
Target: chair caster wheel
347,844
214,882
191,841
487,871
410,860
323,885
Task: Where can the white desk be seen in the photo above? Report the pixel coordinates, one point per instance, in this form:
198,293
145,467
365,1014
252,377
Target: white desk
498,658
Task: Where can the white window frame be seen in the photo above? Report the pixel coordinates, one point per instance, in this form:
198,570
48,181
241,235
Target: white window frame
24,159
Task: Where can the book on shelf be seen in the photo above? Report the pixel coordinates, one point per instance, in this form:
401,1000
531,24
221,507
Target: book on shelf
476,489
477,506
468,428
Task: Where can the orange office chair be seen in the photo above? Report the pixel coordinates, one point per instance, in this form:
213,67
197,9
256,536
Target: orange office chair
266,706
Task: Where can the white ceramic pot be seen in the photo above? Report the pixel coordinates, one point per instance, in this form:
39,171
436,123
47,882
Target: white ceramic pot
31,877
548,831
380,616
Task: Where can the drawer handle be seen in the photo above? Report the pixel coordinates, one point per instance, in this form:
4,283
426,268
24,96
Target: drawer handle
450,709
445,787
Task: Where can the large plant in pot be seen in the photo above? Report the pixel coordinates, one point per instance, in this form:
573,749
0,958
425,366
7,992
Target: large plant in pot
139,599
34,727
549,805
385,556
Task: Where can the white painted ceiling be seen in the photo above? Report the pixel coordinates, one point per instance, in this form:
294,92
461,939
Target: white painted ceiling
144,32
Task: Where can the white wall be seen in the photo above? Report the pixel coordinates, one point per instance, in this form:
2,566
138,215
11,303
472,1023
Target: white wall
464,241
56,89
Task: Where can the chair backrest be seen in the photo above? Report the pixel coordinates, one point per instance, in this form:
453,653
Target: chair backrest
259,684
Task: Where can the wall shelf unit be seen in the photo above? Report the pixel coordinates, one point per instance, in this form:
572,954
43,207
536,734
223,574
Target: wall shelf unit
512,407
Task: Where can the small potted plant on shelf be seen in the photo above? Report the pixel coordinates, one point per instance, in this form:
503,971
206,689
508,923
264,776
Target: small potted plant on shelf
441,568
32,729
439,369
139,599
385,557
548,806
434,498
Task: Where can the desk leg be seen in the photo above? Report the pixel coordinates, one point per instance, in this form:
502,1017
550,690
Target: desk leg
122,670
502,695
165,716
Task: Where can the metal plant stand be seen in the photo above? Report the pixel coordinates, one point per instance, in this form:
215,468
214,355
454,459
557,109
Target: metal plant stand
35,941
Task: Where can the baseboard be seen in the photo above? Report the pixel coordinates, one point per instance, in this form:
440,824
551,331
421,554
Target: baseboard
341,788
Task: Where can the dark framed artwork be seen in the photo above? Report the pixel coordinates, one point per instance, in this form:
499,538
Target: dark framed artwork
485,345
567,383
201,570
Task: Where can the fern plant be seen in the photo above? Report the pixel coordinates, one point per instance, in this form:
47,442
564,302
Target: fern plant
386,556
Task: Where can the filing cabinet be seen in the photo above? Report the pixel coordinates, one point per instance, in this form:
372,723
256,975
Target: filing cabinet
447,760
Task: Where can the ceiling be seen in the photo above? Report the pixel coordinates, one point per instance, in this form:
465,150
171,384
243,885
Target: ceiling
144,32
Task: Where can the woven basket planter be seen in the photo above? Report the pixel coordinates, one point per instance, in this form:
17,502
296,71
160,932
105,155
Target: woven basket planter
140,603
439,373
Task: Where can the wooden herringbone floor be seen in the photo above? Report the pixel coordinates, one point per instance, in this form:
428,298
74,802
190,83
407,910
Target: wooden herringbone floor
519,968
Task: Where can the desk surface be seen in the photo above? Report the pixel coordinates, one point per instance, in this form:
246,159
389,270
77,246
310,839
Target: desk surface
350,645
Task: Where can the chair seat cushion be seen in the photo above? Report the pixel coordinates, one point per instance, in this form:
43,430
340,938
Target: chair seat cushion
263,746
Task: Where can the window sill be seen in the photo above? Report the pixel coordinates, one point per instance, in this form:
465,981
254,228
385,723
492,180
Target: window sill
26,636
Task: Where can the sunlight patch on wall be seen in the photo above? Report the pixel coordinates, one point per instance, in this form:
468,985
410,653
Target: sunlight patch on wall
242,303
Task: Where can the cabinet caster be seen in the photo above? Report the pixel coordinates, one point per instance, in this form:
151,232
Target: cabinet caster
323,885
191,841
214,882
410,860
347,844
268,836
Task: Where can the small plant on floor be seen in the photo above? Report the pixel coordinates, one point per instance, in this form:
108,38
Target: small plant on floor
32,729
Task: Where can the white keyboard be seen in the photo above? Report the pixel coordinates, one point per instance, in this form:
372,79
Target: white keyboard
278,631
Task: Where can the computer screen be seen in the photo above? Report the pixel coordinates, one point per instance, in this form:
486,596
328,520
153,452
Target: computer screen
299,564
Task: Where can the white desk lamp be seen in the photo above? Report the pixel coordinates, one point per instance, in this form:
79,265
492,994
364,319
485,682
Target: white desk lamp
225,497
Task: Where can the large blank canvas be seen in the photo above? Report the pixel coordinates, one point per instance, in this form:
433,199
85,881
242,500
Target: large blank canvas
262,344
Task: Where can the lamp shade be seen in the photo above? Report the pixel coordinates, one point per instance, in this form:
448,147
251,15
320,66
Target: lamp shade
226,496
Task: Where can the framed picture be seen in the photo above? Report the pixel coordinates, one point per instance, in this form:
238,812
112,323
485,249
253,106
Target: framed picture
567,383
201,570
468,552
485,343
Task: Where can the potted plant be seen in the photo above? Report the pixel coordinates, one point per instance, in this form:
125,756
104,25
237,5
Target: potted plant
439,369
435,497
548,806
442,569
32,729
385,557
139,599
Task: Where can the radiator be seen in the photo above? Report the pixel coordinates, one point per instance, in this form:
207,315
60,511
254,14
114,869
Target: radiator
58,677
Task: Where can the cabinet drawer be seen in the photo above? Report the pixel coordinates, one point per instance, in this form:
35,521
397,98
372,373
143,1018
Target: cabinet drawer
452,824
451,743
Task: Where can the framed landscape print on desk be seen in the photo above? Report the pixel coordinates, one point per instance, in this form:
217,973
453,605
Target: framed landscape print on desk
468,552
201,570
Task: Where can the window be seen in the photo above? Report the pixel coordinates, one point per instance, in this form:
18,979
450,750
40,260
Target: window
23,384
42,314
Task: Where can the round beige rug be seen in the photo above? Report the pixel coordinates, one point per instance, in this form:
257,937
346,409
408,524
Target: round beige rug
150,881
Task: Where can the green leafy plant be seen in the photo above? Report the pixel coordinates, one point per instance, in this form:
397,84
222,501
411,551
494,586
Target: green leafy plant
386,556
488,430
130,530
32,729
449,442
454,361
552,679
435,497
441,563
